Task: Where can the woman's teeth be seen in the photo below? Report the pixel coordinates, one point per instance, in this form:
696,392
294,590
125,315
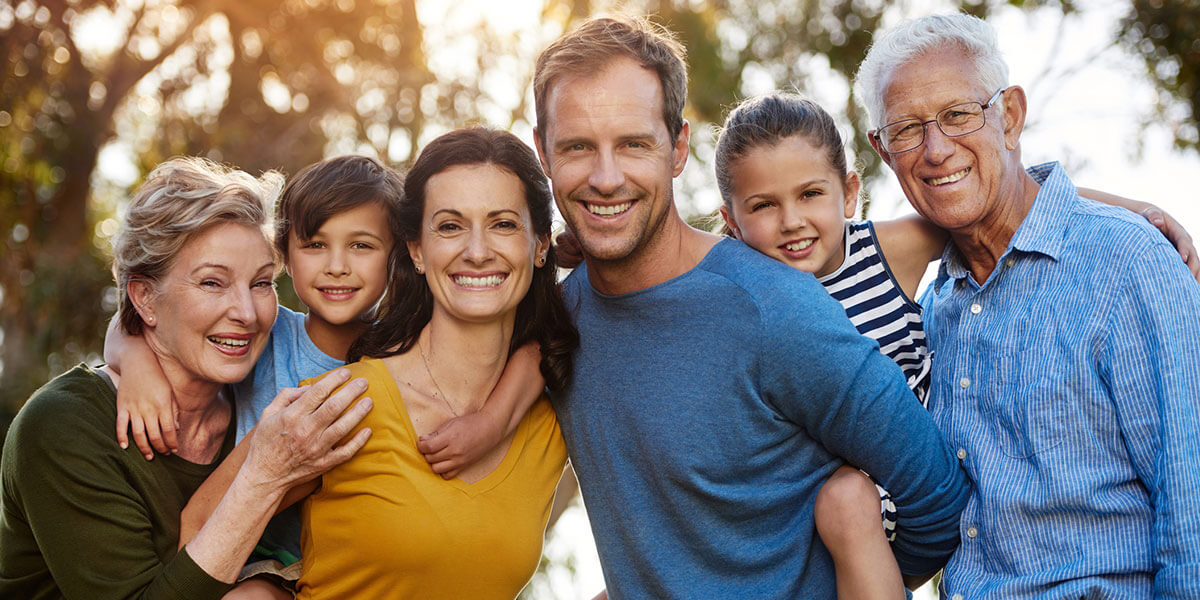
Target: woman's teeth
608,210
800,245
488,281
232,343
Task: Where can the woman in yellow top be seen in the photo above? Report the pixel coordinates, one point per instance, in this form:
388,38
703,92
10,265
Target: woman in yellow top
478,283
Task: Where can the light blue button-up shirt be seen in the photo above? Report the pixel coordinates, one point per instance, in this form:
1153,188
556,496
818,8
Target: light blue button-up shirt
1068,384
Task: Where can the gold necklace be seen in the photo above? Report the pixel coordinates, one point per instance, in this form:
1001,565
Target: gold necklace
441,394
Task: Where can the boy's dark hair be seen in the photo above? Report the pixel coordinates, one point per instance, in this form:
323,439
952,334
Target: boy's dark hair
541,315
767,120
336,185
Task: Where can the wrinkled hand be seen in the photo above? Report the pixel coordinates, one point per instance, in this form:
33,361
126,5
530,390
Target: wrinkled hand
1177,235
459,442
149,411
567,251
296,439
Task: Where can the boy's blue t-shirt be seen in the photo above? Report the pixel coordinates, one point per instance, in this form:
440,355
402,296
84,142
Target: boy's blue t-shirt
290,356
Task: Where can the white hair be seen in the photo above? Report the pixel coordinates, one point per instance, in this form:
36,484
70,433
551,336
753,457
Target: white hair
901,44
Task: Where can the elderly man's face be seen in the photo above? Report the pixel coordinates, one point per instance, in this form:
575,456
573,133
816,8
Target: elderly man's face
955,182
610,158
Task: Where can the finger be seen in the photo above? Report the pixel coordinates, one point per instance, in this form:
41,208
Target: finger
123,428
444,466
442,455
285,398
169,436
139,438
343,453
316,393
346,422
432,443
154,434
337,402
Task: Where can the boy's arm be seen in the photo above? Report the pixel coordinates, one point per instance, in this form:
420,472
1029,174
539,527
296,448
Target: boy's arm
145,402
461,441
1170,228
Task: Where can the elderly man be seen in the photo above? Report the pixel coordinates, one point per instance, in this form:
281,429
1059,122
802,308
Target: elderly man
1067,337
714,389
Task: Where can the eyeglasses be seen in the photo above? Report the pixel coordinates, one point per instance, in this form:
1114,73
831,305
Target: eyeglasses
956,120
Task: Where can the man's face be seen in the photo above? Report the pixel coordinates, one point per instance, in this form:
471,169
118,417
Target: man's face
610,159
959,183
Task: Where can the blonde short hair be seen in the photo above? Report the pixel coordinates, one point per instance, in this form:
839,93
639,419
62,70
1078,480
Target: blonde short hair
179,198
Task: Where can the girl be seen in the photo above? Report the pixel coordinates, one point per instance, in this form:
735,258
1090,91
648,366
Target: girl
781,169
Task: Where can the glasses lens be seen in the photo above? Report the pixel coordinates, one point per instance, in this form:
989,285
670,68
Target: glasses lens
961,119
902,135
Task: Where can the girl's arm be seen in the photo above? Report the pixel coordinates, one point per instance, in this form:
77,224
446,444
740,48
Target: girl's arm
910,243
461,441
1170,228
145,401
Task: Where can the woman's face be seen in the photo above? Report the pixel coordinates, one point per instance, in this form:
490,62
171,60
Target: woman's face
214,309
477,245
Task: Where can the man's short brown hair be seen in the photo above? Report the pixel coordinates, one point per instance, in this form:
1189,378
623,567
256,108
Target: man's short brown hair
599,40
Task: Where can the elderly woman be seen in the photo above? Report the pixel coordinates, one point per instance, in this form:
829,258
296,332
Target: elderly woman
479,282
83,518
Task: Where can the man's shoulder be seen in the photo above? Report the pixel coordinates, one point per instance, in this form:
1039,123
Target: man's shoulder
760,277
1095,224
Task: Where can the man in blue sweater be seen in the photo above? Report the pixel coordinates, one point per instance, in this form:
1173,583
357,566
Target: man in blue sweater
714,389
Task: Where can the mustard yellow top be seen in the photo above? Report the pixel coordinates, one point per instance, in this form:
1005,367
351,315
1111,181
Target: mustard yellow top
383,525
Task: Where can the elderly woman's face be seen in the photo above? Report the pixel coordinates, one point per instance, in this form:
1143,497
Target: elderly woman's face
477,245
214,309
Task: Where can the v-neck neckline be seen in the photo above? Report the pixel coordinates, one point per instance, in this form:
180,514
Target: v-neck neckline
473,489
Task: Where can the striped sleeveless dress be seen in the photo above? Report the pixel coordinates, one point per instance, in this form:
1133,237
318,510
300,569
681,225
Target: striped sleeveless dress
878,308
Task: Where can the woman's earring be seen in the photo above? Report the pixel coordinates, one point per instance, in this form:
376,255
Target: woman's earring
420,269
150,319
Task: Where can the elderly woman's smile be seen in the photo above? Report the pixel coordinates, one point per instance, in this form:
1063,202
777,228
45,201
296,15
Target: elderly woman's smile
214,309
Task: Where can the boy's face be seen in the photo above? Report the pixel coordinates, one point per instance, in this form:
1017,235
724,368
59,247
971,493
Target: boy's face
341,272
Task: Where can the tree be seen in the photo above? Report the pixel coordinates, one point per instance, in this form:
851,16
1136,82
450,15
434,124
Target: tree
1165,33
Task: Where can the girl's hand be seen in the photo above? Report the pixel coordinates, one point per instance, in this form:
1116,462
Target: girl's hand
1177,235
459,442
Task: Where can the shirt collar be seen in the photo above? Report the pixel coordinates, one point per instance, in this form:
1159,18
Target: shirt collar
1043,229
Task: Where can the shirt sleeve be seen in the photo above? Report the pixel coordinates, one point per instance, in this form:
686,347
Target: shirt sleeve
1151,362
820,372
90,526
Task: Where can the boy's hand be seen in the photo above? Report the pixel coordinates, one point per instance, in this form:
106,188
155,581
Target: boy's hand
1177,235
148,408
459,442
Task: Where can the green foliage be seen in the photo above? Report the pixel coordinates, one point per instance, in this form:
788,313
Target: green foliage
1166,34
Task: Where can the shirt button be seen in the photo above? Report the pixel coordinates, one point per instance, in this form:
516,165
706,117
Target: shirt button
1009,262
956,597
972,532
976,308
962,454
964,383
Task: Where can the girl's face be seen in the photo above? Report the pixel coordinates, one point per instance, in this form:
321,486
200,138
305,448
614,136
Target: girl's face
789,203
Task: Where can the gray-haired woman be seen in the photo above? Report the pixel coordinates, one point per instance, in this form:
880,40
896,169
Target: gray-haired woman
82,518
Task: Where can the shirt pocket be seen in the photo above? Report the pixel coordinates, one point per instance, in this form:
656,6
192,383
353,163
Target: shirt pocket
1028,411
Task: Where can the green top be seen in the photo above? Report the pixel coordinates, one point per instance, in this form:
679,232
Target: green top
82,518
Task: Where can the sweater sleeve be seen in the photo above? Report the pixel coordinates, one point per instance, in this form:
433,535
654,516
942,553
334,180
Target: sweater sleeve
855,402
74,493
